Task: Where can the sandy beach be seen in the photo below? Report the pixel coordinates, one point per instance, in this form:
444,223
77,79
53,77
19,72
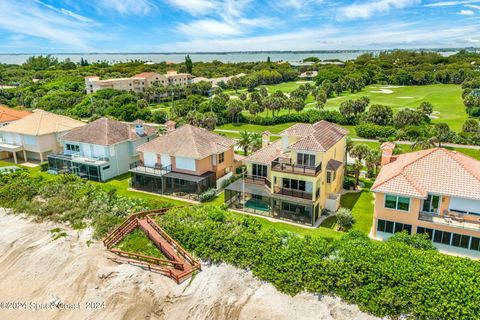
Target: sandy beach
75,273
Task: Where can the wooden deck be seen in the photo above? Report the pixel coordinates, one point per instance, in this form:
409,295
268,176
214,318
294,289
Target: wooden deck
179,265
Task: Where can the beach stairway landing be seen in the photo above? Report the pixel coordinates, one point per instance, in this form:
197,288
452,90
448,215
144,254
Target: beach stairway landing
178,265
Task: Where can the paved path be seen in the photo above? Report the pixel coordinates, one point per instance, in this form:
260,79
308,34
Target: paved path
450,145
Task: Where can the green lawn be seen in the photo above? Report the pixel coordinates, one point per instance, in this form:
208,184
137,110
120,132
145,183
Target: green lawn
446,99
361,204
120,184
255,127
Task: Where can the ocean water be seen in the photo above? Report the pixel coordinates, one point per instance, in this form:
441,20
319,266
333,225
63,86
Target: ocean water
197,57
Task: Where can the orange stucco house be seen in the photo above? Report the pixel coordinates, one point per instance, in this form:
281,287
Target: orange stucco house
433,191
186,159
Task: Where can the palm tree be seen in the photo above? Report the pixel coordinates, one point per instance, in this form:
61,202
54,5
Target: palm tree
256,141
359,152
245,141
424,143
373,160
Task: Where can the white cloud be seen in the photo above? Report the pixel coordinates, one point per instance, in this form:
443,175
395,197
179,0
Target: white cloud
127,7
450,3
194,7
208,27
367,9
466,13
59,27
65,12
472,6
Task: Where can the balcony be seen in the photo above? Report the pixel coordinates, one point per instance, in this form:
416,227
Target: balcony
258,180
293,193
286,165
78,158
453,219
158,170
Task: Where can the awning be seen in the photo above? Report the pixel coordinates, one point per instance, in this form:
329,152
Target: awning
10,147
188,177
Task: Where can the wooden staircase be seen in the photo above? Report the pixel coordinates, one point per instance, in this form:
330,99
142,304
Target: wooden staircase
179,265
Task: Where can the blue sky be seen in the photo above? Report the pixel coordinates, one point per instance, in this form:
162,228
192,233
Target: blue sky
234,25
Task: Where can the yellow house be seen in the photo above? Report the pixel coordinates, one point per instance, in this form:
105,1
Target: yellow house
295,177
434,191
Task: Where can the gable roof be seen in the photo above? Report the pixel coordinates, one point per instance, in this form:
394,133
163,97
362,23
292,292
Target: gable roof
190,142
107,132
145,75
435,171
8,114
41,122
320,136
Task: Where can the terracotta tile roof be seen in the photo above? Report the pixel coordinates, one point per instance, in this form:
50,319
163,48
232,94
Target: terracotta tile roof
320,137
333,165
436,171
145,75
190,142
8,114
298,130
42,122
107,132
267,154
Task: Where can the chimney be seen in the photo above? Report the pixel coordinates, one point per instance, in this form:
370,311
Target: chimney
170,125
139,129
265,138
387,152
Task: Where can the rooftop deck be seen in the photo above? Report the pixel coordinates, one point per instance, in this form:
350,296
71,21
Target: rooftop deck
286,165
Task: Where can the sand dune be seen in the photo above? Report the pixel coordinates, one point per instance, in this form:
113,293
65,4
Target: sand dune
38,270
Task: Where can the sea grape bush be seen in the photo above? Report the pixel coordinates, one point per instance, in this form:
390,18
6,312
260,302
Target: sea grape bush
384,278
68,199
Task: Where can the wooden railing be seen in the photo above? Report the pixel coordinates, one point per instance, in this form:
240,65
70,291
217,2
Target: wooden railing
179,268
258,180
289,167
294,193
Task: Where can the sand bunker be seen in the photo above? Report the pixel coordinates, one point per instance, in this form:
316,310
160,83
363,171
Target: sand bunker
72,270
385,91
405,97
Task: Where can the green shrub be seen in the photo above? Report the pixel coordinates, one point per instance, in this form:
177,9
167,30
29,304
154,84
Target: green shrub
348,182
387,279
44,166
344,219
207,195
374,131
417,240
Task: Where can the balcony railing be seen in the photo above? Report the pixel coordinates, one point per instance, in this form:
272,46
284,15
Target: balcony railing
287,166
159,170
258,180
293,193
453,219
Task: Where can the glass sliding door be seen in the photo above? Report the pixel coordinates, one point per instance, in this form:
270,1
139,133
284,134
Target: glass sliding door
431,204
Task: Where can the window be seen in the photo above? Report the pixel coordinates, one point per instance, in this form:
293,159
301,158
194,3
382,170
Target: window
442,237
290,207
294,184
106,168
72,147
329,177
306,159
259,170
397,203
221,157
475,244
431,205
427,231
392,227
460,240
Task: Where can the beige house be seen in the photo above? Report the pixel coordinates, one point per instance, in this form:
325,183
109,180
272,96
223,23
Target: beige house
186,159
35,136
137,83
433,191
295,177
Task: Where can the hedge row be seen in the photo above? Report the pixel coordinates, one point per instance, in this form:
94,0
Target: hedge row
309,116
383,278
